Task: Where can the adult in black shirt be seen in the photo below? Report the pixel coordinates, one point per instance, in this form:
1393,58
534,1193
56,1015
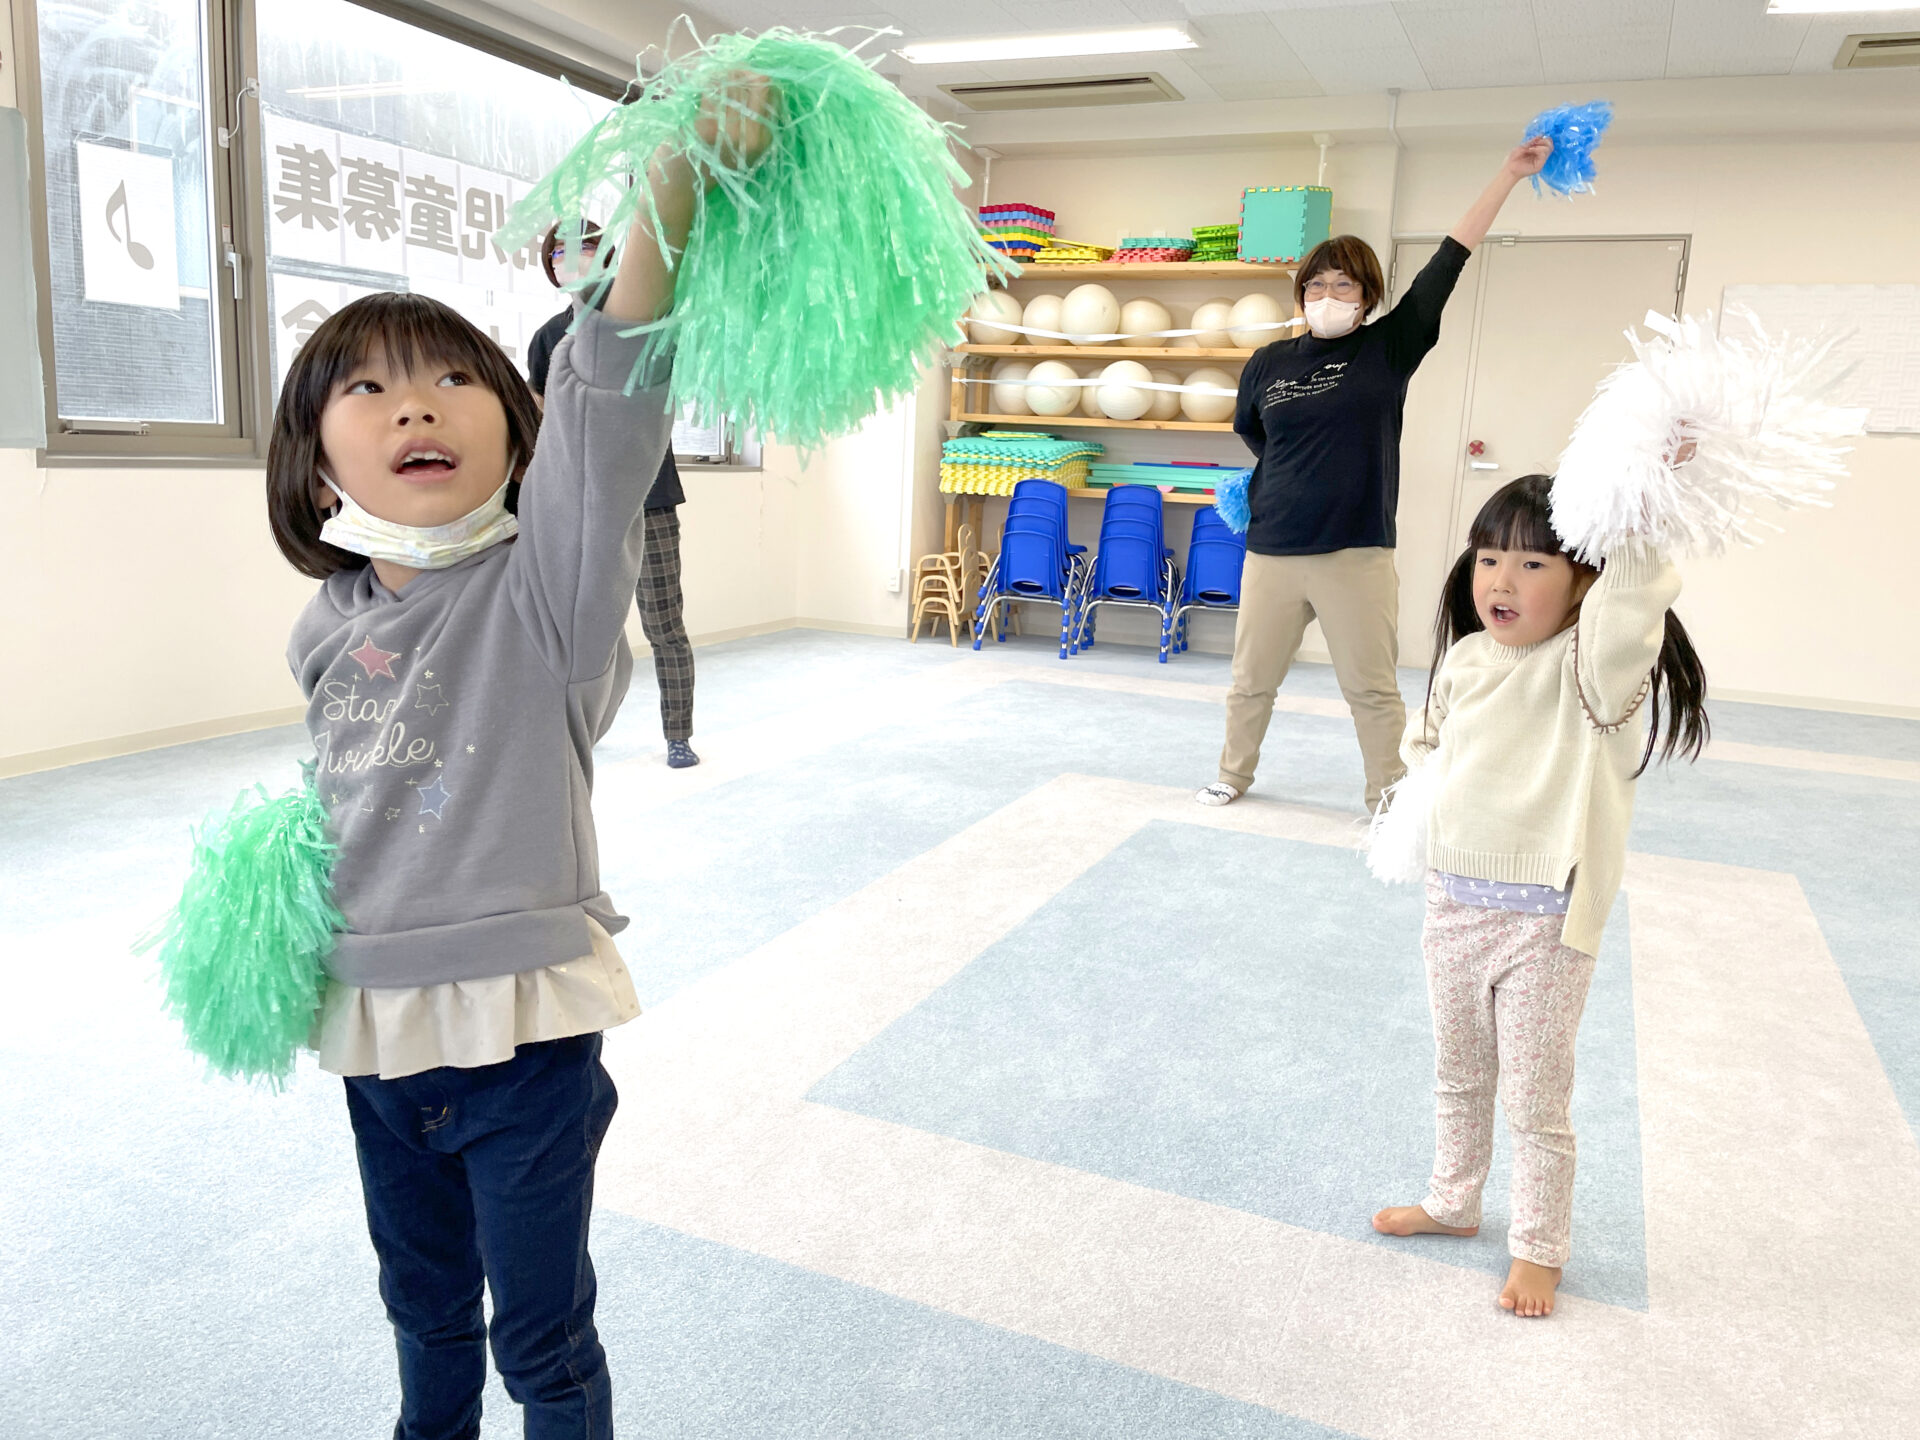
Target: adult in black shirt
1322,413
658,594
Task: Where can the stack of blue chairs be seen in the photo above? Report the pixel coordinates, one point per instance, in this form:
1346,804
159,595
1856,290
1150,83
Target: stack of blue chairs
1133,565
1035,563
1215,558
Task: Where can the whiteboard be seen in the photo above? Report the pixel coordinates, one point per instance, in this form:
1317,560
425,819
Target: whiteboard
1884,346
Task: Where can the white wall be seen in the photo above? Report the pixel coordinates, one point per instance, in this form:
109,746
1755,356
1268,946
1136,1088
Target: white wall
1759,209
150,604
1823,613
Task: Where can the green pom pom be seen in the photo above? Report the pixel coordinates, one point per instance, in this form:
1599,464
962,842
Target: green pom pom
241,953
818,282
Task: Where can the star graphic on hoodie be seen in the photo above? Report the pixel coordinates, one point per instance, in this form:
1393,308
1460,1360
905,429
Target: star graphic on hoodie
433,798
375,661
432,699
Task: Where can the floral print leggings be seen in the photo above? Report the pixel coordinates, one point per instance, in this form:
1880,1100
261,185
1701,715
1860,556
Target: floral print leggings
1507,998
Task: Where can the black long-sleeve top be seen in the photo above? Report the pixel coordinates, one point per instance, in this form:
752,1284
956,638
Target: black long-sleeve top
1323,417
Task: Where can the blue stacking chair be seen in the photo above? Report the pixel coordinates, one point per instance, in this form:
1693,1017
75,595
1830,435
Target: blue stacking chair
1133,566
1215,558
1035,563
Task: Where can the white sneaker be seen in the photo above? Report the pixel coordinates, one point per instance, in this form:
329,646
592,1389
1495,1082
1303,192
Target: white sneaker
1218,793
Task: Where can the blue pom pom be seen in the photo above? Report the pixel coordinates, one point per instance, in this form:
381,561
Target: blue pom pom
1574,130
1230,498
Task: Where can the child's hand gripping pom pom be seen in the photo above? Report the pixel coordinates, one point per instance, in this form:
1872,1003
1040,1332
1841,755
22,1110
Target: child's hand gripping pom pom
829,258
241,954
1396,839
1232,497
1679,445
1575,131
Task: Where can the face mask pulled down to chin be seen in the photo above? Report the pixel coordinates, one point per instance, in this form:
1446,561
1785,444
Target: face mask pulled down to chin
1330,319
420,547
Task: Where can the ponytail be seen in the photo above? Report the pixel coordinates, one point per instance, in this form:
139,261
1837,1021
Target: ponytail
1678,697
1456,618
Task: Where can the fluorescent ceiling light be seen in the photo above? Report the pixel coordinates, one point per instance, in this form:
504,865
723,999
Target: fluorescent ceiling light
1134,40
1838,7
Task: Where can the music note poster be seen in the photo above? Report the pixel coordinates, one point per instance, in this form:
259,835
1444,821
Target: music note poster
127,226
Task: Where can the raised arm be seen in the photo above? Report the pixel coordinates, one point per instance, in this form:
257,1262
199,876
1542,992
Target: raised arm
1522,162
579,552
1621,625
643,286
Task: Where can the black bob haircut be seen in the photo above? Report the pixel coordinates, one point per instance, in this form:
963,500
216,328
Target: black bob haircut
1519,516
412,330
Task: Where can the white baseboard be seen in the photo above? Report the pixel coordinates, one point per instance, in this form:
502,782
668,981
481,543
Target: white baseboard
1815,702
113,745
767,627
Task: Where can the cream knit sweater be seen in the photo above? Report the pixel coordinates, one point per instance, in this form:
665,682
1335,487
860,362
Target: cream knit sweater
1527,788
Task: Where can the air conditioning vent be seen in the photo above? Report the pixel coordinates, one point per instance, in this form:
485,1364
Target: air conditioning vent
1067,90
1878,52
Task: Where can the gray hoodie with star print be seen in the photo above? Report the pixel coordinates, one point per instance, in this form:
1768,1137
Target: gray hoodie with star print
454,722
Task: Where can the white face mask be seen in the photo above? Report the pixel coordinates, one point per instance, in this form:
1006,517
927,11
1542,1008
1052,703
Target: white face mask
1330,319
422,547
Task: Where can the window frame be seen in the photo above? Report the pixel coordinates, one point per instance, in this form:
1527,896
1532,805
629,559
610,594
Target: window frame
237,185
149,442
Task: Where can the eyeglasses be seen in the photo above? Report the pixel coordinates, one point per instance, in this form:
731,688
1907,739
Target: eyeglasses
1342,289
587,247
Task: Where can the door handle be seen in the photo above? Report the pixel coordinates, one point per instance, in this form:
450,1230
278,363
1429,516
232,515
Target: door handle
1483,465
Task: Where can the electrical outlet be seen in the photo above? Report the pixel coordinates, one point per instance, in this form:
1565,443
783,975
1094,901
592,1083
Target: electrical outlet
893,583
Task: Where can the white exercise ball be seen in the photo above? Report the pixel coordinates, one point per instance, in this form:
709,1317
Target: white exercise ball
1210,408
1090,402
1010,398
994,305
1089,310
1164,404
1210,320
1255,309
1045,399
1120,395
1042,313
1141,319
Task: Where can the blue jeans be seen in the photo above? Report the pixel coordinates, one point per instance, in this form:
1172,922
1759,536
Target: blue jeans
486,1176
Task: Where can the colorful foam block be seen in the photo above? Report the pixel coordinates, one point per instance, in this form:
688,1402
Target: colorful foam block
1279,224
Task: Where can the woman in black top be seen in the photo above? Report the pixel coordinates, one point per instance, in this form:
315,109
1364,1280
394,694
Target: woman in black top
1322,413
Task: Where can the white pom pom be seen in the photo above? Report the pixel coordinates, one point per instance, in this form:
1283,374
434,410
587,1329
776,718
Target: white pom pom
1757,413
1396,839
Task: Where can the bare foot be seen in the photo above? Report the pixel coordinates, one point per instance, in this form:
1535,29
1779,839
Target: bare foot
1412,1220
1530,1289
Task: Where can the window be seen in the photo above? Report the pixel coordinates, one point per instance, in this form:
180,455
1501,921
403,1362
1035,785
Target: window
134,195
391,154
204,212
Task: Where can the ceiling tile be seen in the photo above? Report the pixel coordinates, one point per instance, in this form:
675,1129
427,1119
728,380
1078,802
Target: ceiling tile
1473,44
1352,49
1824,38
1732,37
1242,57
1621,40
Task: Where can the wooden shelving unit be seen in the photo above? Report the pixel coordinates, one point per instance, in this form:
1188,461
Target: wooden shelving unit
972,361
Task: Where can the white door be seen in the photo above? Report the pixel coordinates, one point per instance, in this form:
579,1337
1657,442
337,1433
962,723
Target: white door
1531,330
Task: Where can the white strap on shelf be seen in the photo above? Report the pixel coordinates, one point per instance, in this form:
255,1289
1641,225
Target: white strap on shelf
1091,340
1070,384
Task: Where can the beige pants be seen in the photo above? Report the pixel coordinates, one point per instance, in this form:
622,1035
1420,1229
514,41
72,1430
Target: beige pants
1355,595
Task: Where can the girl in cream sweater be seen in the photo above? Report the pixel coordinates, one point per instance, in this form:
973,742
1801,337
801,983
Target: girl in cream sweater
1547,676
